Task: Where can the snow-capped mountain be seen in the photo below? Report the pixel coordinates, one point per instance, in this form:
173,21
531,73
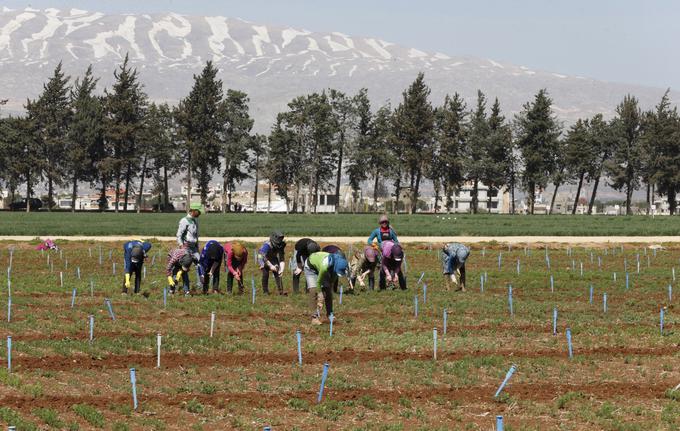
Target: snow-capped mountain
272,64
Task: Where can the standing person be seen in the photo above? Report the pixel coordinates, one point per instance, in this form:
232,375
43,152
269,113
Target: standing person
187,232
332,249
209,266
270,257
362,264
303,248
454,256
134,253
384,232
179,263
235,257
321,269
390,267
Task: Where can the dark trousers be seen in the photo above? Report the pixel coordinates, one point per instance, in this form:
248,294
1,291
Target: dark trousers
265,280
230,283
185,279
296,278
136,270
215,277
383,280
371,281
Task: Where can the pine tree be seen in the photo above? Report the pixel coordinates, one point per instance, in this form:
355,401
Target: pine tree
345,119
84,147
50,116
601,142
258,150
537,138
560,174
579,155
236,142
283,167
161,138
357,168
200,117
126,104
498,157
450,133
626,165
19,156
413,132
377,158
475,149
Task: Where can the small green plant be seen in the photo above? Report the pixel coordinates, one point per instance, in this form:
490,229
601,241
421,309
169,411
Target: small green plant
208,388
50,417
564,400
298,404
330,410
194,406
12,417
93,416
120,426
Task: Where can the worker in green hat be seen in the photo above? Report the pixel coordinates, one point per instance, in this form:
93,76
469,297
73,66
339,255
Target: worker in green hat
187,233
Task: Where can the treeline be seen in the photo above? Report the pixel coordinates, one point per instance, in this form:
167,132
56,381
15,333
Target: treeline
71,135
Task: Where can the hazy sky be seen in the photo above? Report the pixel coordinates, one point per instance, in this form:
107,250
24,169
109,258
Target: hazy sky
629,41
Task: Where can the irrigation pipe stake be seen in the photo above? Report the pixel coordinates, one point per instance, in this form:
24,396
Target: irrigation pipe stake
331,318
165,297
554,320
512,311
670,292
78,272
434,341
661,315
424,293
133,380
422,274
9,353
445,319
517,266
581,263
144,273
614,277
673,272
158,350
627,281
61,279
500,256
604,302
571,351
73,298
340,300
110,307
552,284
324,376
252,282
509,374
91,318
591,294
481,283
499,423
415,305
212,323
298,336
114,268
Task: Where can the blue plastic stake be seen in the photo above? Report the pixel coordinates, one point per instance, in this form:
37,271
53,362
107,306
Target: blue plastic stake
591,294
509,374
670,293
73,298
331,318
552,283
340,301
571,351
661,313
91,318
133,380
252,280
9,309
625,264
298,335
323,382
434,340
415,305
581,263
638,267
499,423
517,266
165,297
114,268
9,353
512,311
61,279
500,255
604,302
554,320
547,261
446,314
673,272
159,340
627,281
614,277
422,274
481,283
424,293
108,305
599,262
78,272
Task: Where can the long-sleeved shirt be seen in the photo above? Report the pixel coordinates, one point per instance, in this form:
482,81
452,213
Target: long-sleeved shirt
270,254
127,252
454,255
211,248
173,259
387,261
320,262
358,263
381,236
187,233
230,259
301,252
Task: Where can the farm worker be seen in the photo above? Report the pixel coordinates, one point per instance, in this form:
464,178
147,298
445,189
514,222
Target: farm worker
187,232
134,253
362,264
209,265
235,257
270,257
454,256
390,266
384,232
332,249
179,263
321,270
303,248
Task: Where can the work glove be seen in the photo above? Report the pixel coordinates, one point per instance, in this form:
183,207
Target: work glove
297,271
282,266
178,277
171,281
127,281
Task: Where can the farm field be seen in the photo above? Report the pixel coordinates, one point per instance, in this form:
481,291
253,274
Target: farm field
382,374
259,225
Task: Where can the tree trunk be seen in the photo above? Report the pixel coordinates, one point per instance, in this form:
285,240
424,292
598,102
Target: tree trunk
316,195
257,179
296,196
188,184
50,191
653,191
648,202
475,199
339,175
28,191
140,196
103,202
269,198
117,191
128,175
592,196
166,192
447,195
578,192
375,193
225,193
672,203
415,193
552,201
532,197
489,191
74,192
512,196
629,195
437,186
397,191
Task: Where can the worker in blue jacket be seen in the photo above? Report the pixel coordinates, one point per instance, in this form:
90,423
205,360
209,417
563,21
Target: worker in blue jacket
383,233
209,266
134,253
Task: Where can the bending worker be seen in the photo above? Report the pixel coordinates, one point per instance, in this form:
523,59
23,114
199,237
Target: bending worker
236,257
134,253
390,267
454,256
322,270
179,263
270,257
303,249
362,264
209,266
